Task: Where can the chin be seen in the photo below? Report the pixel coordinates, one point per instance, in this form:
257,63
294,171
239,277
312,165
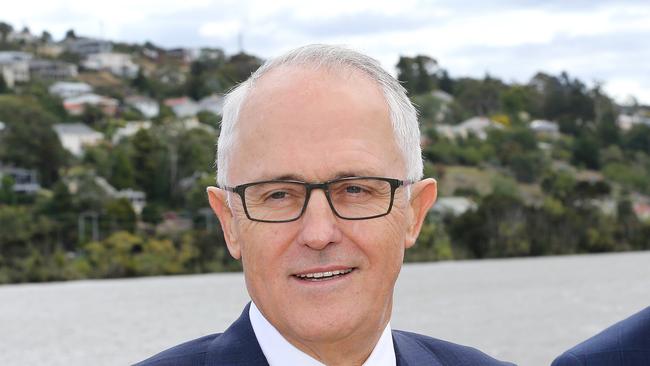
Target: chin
328,325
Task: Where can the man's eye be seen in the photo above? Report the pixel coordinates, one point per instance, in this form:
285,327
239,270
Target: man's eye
278,195
353,189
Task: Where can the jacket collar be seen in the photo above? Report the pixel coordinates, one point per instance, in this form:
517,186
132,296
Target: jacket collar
237,346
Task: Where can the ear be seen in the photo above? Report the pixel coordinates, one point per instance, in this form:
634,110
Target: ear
219,203
423,196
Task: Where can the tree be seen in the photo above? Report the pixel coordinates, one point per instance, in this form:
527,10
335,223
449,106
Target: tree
119,215
586,152
418,74
7,194
122,171
28,140
150,165
70,34
5,29
92,114
142,83
46,37
3,85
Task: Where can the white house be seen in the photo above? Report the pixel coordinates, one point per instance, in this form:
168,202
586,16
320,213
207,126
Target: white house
183,106
477,126
627,121
14,67
453,205
88,46
130,129
119,64
147,106
76,105
137,199
52,70
65,89
212,103
25,180
23,36
74,136
544,127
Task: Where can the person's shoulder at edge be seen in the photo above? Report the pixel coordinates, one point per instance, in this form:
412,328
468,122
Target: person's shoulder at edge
446,353
631,335
189,353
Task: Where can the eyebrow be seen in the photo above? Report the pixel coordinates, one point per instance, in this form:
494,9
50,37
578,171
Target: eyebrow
342,174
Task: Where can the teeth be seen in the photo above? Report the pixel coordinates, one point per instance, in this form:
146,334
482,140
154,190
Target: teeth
328,274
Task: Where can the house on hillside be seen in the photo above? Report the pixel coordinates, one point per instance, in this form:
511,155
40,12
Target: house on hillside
181,54
442,96
137,199
119,64
66,89
50,49
477,126
25,180
212,103
74,136
627,121
642,210
24,36
52,70
130,129
88,46
183,106
545,128
14,67
147,106
454,206
75,106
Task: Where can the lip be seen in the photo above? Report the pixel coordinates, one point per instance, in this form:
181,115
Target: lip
323,269
325,283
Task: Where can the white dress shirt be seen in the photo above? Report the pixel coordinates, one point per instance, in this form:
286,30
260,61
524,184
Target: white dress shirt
279,352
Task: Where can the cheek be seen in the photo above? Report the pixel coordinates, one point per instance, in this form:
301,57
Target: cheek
380,239
263,244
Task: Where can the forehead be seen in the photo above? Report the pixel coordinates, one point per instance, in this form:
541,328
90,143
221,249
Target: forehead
316,123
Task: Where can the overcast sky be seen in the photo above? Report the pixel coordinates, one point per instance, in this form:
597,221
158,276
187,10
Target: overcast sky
603,41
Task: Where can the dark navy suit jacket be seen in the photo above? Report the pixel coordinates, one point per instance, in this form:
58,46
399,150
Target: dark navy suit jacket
626,343
237,346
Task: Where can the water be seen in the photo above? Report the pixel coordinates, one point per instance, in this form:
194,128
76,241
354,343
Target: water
522,310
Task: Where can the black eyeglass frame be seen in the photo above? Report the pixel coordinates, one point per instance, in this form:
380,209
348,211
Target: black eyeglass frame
394,184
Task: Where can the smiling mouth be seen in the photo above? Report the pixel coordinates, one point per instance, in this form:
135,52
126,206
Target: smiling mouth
323,276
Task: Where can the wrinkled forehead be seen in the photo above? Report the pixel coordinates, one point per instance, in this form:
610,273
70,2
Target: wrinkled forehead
300,110
289,88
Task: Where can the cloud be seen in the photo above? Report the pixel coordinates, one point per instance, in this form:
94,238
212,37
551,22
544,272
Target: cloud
594,40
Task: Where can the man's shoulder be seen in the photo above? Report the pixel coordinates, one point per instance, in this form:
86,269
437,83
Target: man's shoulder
624,343
189,353
409,345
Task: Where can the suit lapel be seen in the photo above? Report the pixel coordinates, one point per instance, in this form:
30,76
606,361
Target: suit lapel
408,352
237,346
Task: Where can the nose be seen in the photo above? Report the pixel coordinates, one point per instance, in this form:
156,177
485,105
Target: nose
319,224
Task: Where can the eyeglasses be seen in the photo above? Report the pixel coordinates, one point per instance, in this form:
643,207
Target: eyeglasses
352,198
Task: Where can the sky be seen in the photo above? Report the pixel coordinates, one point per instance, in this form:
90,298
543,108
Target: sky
598,41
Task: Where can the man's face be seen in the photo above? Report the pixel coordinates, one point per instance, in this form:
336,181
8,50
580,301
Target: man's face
316,126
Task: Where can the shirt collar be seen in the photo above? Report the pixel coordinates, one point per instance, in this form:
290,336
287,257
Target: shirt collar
278,351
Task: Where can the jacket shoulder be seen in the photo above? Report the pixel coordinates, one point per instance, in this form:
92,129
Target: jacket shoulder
626,342
191,353
446,353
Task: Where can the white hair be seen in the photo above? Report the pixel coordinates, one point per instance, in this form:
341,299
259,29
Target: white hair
403,114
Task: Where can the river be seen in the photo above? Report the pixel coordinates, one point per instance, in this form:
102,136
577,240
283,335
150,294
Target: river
524,310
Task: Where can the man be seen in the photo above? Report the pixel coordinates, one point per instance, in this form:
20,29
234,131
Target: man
319,168
626,343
